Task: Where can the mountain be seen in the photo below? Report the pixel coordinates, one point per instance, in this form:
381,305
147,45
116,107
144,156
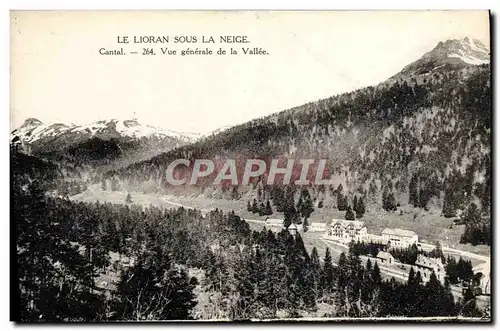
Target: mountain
432,131
98,142
449,55
34,132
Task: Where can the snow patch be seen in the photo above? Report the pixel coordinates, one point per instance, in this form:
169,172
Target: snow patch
468,59
129,128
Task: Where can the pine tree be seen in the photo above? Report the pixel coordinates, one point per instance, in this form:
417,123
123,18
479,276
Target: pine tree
477,230
349,215
411,292
154,290
316,270
384,199
342,272
392,202
289,199
255,207
424,196
361,208
367,288
340,188
464,271
300,289
377,279
300,204
268,209
273,290
418,278
341,202
413,191
279,198
128,199
103,185
447,304
328,273
448,206
388,201
243,284
262,209
235,195
354,275
437,252
305,204
249,206
433,299
368,266
291,216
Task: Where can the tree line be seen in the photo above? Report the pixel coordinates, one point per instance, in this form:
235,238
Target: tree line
185,265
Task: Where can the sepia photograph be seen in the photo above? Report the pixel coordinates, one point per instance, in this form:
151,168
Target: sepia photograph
255,166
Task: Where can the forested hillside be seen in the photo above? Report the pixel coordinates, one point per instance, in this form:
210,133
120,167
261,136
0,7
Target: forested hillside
178,264
426,136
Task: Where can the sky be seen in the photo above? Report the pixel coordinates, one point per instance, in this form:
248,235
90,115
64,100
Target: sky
58,75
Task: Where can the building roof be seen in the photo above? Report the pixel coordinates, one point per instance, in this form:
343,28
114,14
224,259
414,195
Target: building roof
318,224
398,232
429,262
274,221
384,255
344,223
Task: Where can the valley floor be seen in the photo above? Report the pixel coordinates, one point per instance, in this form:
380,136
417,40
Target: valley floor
429,225
429,228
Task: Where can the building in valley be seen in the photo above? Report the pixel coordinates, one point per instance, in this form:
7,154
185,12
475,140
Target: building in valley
317,227
427,265
385,258
346,231
275,225
292,229
399,238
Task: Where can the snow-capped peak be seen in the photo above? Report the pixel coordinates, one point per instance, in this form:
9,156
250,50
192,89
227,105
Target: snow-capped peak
132,128
469,50
475,45
452,53
34,130
31,122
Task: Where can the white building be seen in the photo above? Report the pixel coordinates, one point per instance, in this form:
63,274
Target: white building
317,227
426,265
347,231
385,257
275,225
292,229
399,238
